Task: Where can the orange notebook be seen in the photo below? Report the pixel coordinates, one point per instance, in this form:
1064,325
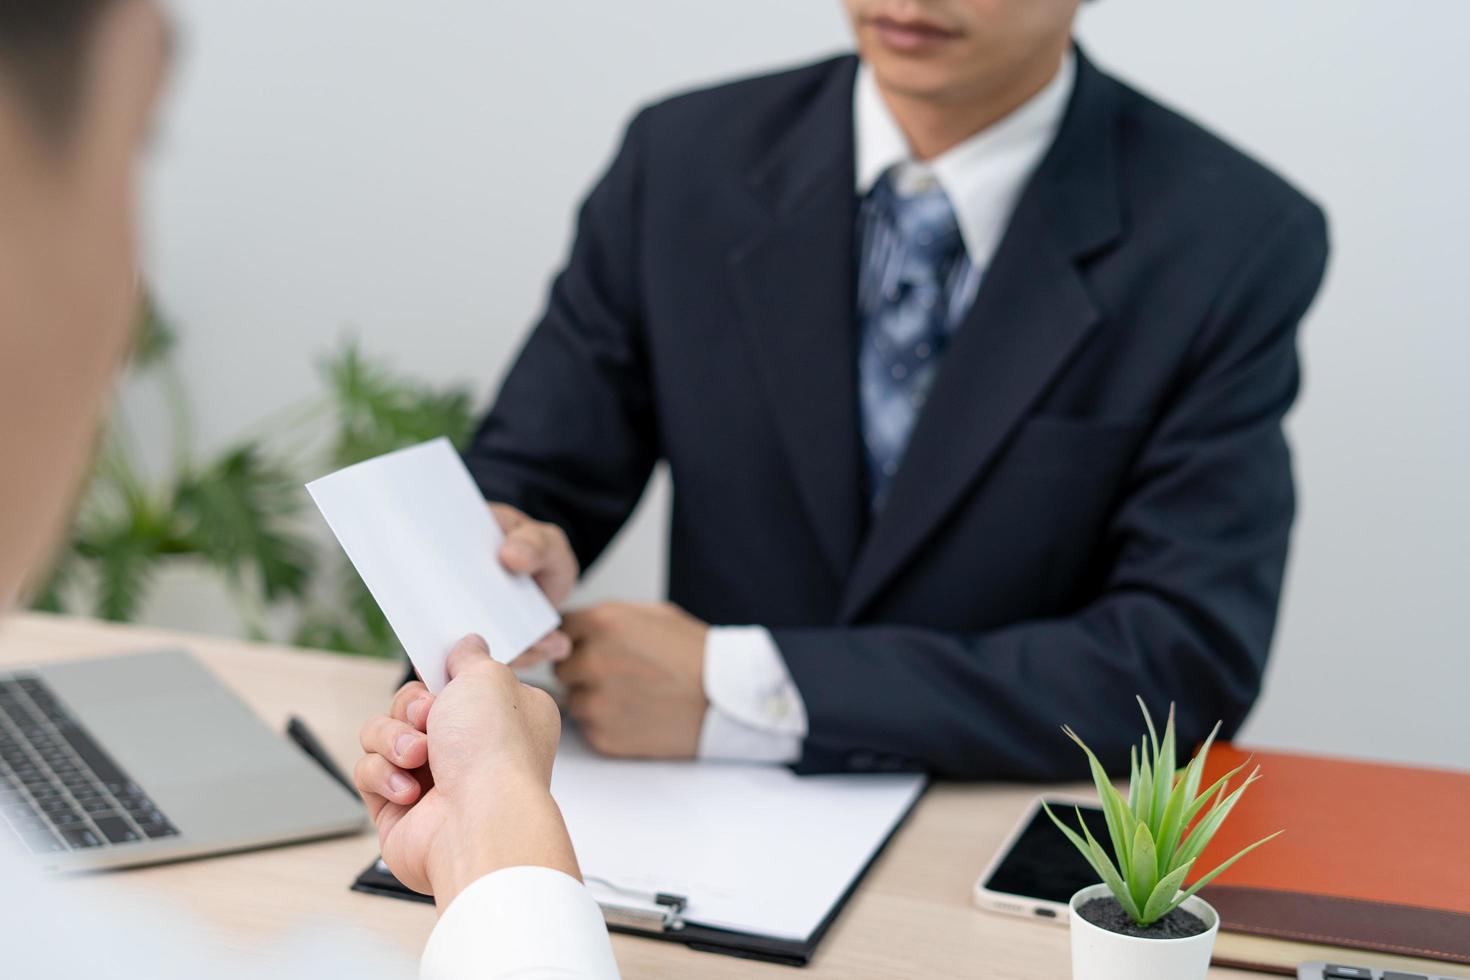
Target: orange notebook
1374,856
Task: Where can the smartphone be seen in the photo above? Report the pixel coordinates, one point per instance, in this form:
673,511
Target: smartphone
1037,870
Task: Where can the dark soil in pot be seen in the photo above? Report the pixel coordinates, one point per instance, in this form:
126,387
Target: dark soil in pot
1106,913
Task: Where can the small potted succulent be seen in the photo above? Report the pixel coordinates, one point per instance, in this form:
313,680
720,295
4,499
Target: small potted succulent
1140,922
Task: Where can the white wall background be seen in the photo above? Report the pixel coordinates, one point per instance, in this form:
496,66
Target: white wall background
407,173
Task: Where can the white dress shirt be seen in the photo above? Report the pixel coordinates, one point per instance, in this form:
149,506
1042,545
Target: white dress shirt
756,713
521,923
514,924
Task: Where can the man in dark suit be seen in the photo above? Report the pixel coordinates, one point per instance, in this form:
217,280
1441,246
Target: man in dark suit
969,365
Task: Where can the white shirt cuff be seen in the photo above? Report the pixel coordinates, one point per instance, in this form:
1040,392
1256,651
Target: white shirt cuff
520,924
756,714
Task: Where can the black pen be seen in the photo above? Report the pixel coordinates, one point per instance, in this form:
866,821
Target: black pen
303,737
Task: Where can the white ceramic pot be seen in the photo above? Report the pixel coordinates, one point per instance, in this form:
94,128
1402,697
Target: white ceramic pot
1098,954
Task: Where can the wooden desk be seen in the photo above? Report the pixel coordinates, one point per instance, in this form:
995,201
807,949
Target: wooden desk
910,918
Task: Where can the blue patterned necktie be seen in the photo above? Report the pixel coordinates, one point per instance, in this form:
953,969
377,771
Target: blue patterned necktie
911,253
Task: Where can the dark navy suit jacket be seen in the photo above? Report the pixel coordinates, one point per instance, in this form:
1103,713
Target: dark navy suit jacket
1097,497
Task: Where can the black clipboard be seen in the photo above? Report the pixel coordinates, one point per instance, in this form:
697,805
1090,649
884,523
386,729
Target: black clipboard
744,945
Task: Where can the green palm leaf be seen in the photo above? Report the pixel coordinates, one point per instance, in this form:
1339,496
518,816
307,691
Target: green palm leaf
1143,871
1200,836
1143,793
378,413
239,513
125,568
1163,769
1161,899
1170,827
1092,851
1115,809
1196,769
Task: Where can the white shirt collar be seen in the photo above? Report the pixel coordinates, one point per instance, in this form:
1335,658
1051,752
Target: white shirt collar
984,175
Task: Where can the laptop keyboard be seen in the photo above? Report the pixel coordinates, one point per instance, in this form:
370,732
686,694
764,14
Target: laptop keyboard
59,791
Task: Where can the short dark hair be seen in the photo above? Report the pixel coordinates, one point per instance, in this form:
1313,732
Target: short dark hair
43,47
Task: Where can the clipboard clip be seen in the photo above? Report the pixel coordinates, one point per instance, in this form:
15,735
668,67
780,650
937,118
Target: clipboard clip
640,910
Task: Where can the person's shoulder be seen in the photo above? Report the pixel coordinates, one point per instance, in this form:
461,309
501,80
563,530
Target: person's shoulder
752,97
1178,170
744,112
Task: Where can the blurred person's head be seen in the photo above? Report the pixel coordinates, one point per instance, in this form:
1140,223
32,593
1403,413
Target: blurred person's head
78,81
957,54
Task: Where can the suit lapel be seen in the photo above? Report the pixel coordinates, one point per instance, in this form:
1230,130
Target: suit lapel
794,280
1031,315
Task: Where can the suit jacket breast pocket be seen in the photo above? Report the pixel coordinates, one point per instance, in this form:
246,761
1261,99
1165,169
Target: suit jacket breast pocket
1096,450
1065,477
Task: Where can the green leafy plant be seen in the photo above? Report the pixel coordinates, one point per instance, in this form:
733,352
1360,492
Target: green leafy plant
1160,830
241,511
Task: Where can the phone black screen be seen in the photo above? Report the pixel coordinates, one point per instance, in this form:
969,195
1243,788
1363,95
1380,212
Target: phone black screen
1043,864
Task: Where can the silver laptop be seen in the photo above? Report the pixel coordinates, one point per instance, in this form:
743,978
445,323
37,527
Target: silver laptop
145,758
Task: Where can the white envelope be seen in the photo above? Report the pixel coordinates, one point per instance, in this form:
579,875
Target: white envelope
417,530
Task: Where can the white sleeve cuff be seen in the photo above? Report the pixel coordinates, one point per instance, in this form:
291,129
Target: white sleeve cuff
520,924
756,713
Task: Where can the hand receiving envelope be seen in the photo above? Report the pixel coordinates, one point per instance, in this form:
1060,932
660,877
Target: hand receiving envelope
417,530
